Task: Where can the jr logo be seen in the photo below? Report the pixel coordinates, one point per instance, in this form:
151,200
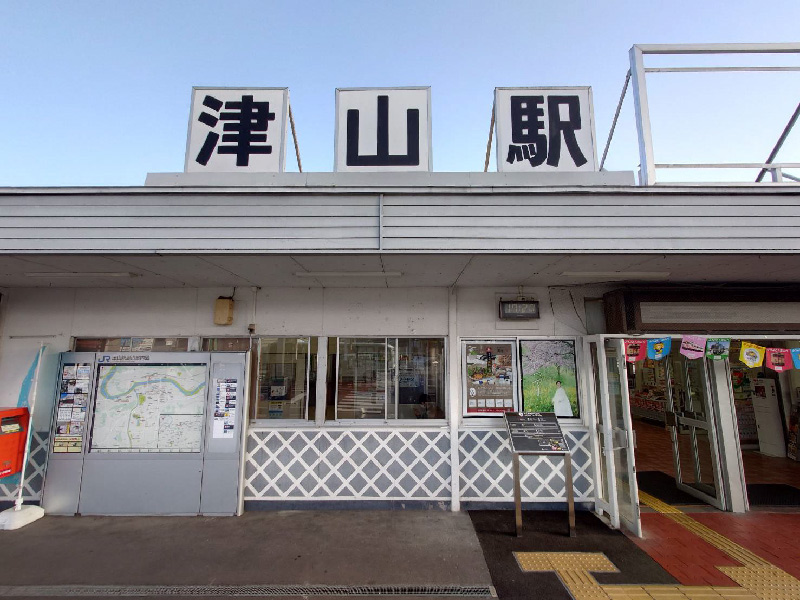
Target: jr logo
106,358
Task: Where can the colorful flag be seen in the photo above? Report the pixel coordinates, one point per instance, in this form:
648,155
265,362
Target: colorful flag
752,355
795,357
635,350
718,348
779,359
693,346
658,348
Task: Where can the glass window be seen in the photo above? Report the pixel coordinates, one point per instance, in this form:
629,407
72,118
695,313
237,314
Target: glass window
284,378
420,378
390,378
361,385
228,344
131,344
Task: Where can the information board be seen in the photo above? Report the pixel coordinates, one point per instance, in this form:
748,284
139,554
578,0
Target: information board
535,432
149,408
225,399
73,395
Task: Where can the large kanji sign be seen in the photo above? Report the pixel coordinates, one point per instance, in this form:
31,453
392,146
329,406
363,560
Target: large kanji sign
545,129
237,130
383,129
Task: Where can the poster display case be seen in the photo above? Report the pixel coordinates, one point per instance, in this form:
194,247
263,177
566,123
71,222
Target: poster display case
520,375
490,377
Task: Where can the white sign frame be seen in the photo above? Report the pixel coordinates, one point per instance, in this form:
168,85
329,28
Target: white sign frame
503,136
340,136
279,125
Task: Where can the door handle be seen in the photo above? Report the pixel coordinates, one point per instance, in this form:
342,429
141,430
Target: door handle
620,439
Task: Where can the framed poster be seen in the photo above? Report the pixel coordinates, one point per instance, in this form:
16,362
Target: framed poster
490,378
549,377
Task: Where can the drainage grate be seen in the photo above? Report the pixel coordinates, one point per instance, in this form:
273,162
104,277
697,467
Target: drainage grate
457,591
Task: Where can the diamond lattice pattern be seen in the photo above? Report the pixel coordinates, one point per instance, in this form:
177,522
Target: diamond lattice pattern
485,457
34,472
355,464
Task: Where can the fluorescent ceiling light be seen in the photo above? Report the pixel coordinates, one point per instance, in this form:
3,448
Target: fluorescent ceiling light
97,274
618,274
348,274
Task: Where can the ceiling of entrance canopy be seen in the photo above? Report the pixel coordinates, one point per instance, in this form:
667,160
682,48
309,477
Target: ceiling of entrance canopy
391,270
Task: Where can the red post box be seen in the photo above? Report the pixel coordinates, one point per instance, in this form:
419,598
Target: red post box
13,434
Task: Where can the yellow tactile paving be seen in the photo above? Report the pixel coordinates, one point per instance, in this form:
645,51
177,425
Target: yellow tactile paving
758,578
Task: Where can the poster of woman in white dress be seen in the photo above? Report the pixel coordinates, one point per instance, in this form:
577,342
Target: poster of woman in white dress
549,381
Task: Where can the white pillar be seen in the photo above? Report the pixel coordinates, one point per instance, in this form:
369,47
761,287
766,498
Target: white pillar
322,380
454,385
730,453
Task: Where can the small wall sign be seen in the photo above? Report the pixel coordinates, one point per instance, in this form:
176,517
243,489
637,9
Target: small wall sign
516,310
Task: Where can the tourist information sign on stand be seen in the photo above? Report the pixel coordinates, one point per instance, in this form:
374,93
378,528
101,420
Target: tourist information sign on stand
538,433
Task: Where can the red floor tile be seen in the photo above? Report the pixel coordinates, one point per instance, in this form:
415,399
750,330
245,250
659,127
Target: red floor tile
772,536
686,557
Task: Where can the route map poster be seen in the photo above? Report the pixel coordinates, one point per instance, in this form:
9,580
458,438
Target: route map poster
149,408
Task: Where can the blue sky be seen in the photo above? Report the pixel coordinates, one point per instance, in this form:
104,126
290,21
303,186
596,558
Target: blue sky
97,93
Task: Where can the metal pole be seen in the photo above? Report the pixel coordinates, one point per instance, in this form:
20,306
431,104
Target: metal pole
781,140
646,160
294,137
616,118
517,494
489,143
570,492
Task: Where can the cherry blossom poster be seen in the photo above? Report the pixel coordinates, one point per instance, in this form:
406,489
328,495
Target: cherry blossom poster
549,380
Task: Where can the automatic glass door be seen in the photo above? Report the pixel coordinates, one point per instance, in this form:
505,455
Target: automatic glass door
690,420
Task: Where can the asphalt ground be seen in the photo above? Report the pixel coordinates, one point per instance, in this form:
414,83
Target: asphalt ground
323,548
546,531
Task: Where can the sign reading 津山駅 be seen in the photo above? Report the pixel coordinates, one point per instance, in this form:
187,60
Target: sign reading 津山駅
237,130
383,129
535,432
545,129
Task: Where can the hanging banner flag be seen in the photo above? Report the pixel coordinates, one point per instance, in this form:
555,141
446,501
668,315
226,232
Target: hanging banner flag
635,350
795,357
658,348
752,355
718,348
693,346
779,359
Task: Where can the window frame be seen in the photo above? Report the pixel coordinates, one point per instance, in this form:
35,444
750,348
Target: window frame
395,422
267,423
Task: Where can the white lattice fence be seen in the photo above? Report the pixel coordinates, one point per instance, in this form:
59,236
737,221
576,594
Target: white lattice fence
34,472
321,464
485,457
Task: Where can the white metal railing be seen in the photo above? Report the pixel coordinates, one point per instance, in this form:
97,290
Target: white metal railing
636,77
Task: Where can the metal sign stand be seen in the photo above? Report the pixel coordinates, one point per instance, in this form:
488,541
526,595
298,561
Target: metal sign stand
515,454
567,482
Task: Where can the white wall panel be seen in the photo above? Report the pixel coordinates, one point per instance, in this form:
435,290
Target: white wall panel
290,311
135,311
30,312
396,311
